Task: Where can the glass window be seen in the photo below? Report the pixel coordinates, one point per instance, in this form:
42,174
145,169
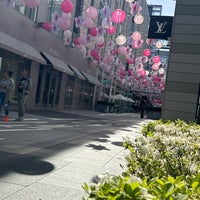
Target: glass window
69,90
28,12
86,96
58,88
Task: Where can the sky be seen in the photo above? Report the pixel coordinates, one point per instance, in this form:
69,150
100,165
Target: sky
168,6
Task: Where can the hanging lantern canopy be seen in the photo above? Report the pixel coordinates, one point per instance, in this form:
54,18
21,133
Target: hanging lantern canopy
121,40
67,6
111,30
31,3
118,16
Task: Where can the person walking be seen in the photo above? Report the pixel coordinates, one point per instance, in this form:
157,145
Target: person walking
7,85
9,91
23,87
143,106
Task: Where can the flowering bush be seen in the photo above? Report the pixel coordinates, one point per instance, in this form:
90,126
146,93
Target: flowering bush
163,163
165,148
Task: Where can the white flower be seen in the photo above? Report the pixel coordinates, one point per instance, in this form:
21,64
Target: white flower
193,168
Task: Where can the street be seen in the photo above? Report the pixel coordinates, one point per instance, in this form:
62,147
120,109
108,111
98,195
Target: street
51,154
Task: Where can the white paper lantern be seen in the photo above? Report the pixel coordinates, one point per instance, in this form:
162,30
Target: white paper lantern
138,19
121,40
99,40
67,33
161,71
159,44
130,1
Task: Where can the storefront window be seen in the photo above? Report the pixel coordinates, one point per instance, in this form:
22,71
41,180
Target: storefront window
58,89
31,13
86,96
69,91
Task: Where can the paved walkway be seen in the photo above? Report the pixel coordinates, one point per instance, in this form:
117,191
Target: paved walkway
62,174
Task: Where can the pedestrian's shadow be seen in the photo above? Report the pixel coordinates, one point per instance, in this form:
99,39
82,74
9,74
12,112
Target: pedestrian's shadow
24,164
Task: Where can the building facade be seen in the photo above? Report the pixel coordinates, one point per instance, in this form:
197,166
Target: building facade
181,99
62,77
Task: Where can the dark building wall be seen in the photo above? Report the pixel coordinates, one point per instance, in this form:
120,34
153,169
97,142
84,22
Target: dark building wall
182,84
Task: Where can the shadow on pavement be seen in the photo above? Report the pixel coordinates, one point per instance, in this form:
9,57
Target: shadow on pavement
24,164
97,147
57,114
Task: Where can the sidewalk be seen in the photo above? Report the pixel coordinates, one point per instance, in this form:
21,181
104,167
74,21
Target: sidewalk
61,175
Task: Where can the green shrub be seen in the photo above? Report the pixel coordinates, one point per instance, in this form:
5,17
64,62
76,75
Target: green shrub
163,163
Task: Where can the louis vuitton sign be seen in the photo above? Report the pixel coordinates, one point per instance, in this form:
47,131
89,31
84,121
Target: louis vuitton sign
160,27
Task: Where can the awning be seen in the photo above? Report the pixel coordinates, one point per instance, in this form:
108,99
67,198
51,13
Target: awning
91,79
58,64
16,46
77,72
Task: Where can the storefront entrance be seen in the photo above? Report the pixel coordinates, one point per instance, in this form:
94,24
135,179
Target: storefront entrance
48,89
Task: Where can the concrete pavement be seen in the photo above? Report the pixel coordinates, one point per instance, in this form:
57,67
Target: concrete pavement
46,158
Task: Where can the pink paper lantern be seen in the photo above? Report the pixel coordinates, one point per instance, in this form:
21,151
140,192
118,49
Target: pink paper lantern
76,41
67,6
118,16
95,54
91,12
137,44
155,66
47,26
31,3
93,31
66,15
156,59
100,45
136,35
129,61
147,52
122,50
82,39
111,30
88,23
142,73
63,23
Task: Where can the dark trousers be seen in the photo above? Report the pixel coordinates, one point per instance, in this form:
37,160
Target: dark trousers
2,99
142,113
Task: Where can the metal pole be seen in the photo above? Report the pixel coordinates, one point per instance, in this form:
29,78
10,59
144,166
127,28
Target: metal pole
95,91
